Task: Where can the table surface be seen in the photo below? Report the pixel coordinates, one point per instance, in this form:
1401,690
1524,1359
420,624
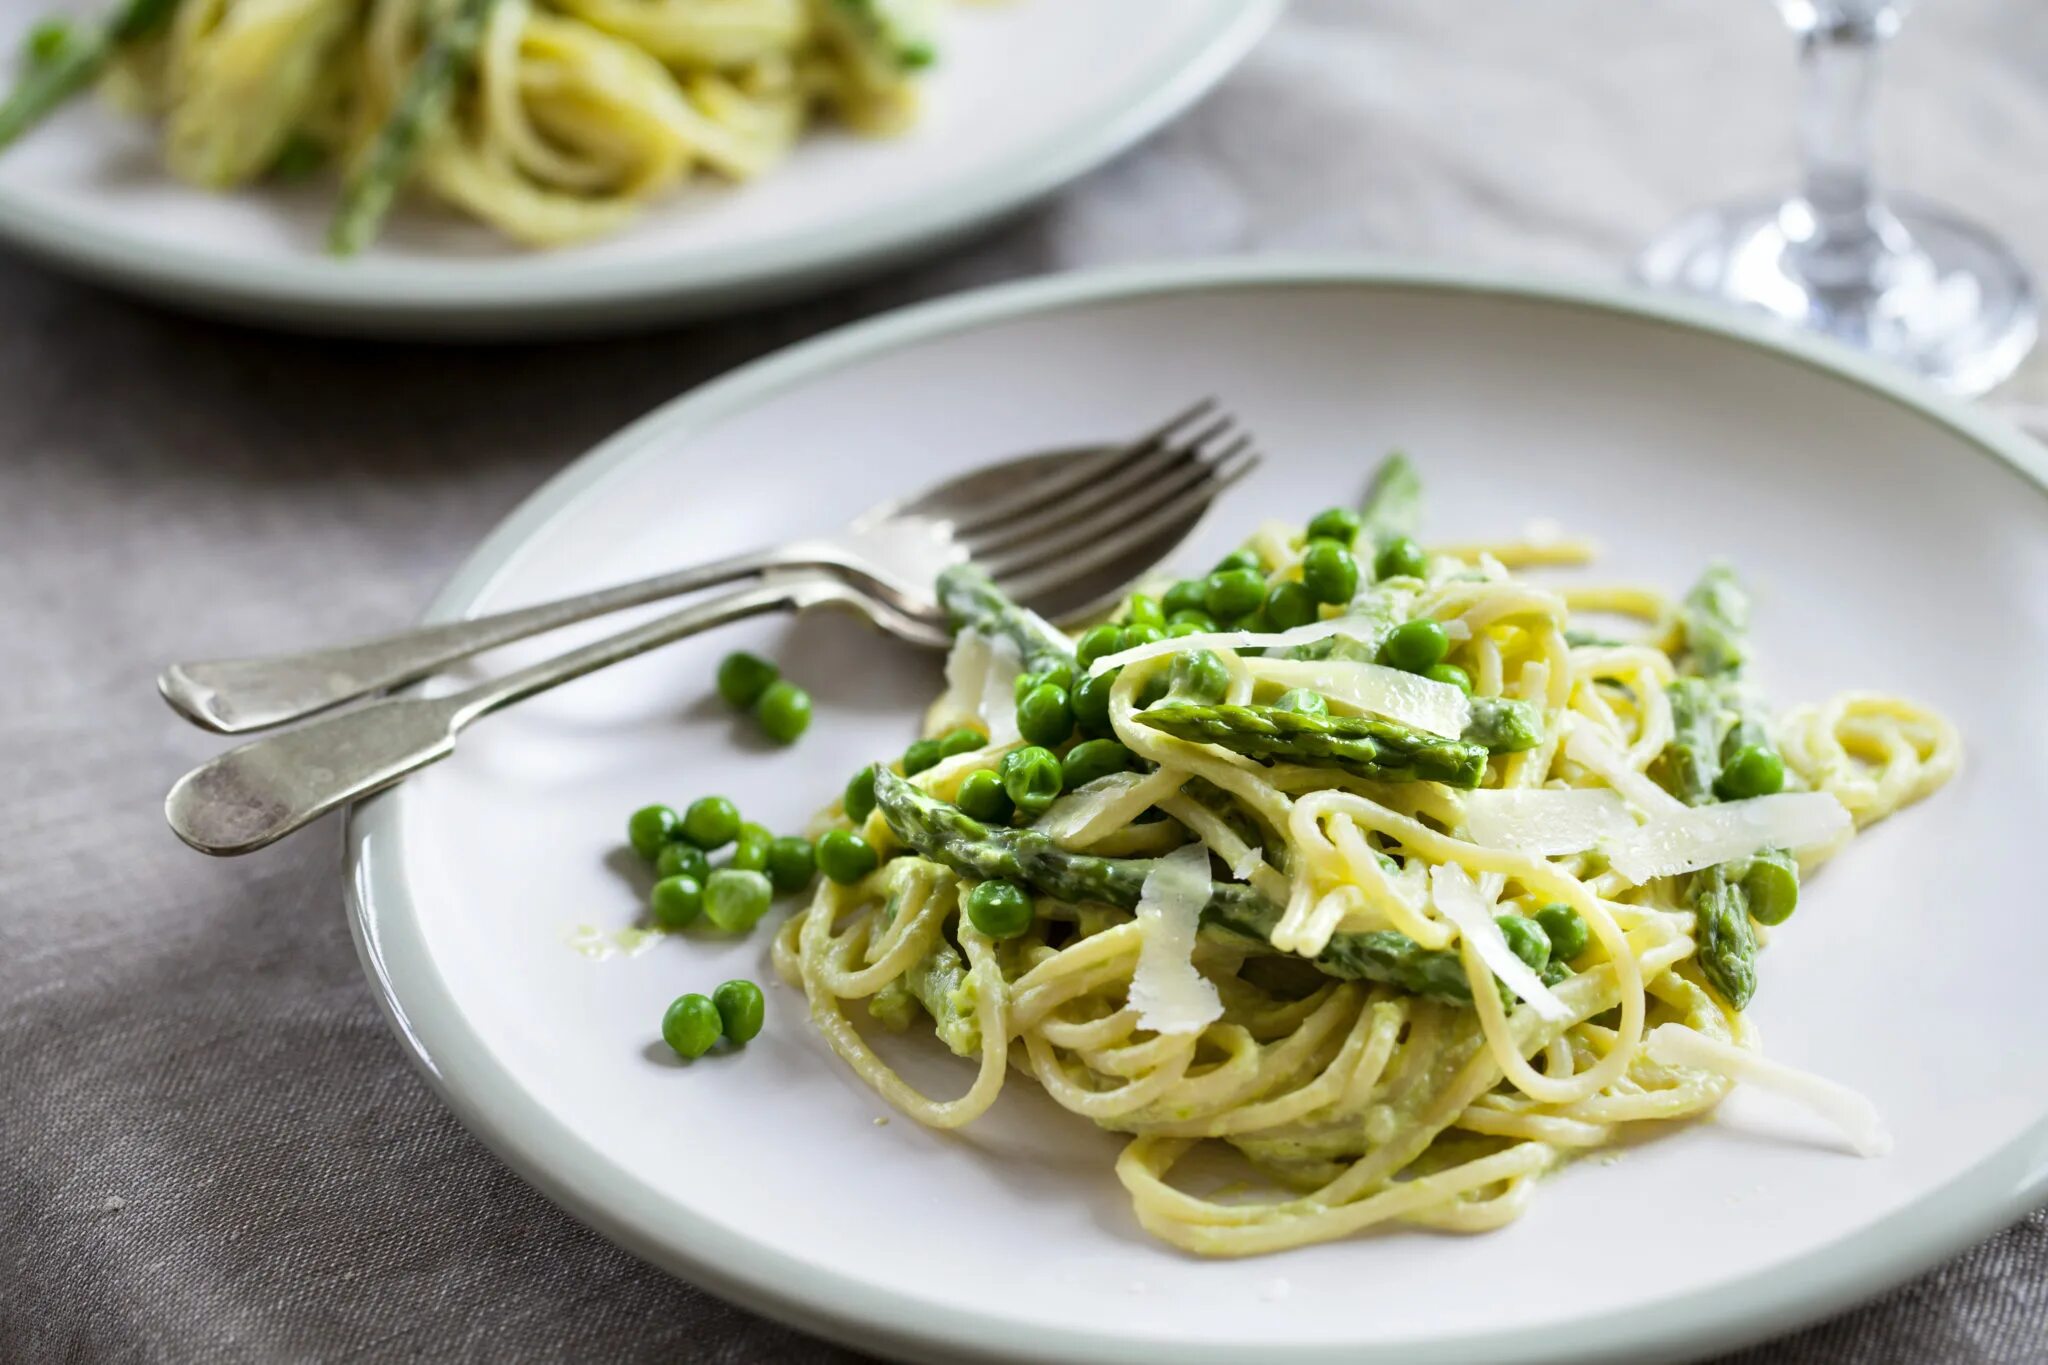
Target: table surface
211,1144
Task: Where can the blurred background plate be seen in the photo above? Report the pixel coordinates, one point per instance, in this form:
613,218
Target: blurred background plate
1028,96
1896,540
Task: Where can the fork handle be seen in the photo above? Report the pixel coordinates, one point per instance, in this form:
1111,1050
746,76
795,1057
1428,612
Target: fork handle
256,793
235,696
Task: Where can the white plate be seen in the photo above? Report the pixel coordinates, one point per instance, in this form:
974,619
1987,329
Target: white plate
1896,539
1028,96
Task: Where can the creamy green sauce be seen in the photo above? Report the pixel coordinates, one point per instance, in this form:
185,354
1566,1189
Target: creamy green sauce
597,944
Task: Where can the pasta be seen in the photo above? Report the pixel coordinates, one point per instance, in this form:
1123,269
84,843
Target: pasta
551,120
1411,996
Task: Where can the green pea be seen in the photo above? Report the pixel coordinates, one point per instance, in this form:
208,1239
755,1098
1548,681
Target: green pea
1335,523
1031,778
750,848
1771,882
691,1026
1452,674
1238,559
1200,676
1754,771
681,859
711,822
1091,759
791,864
964,740
1290,604
1045,716
1233,593
1526,939
859,799
1098,642
1306,702
1153,690
650,828
1091,703
982,797
1400,557
1555,972
784,712
675,901
735,898
999,909
1180,630
1143,635
743,678
1144,611
1200,620
844,856
1566,929
46,40
1185,596
1329,572
1415,646
920,755
740,1010
1059,676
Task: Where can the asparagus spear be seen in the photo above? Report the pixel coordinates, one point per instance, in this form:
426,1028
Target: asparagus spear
973,602
422,107
1235,912
1714,719
1727,942
1504,725
75,62
1714,616
1366,746
1393,502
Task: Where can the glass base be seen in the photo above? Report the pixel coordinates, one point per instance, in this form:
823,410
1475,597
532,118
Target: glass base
1930,292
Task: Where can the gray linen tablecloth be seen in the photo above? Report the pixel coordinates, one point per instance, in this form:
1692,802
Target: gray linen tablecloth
209,1146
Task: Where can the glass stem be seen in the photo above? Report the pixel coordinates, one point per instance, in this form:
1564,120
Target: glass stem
1838,55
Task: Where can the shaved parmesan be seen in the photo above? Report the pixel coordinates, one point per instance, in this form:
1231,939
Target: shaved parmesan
1360,628
999,690
1690,839
1459,900
1084,815
1166,990
967,665
1248,862
1409,698
1848,1110
1585,747
1545,822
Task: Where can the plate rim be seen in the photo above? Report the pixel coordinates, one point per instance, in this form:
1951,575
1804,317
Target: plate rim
502,294
2000,1189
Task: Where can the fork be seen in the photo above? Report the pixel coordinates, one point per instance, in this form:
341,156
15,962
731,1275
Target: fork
1012,518
882,566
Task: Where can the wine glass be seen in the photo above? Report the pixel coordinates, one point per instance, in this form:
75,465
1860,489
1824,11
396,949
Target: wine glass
1895,276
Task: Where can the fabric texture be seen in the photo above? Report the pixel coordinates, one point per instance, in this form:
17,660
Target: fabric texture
210,1148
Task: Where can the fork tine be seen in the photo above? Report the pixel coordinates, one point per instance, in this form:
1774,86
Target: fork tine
1065,535
1162,461
1077,474
1027,586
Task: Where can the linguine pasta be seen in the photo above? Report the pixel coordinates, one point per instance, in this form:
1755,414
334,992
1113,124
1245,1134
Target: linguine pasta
1366,1093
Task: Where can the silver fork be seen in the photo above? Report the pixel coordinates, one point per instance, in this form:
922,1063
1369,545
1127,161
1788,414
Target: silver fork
883,566
1013,518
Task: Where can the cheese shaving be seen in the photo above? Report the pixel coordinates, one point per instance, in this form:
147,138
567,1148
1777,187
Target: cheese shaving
1545,822
1169,995
1409,698
1690,839
1084,815
1849,1110
1458,898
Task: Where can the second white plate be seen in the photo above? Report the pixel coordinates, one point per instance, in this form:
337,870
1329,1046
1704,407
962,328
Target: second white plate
1027,96
1896,542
